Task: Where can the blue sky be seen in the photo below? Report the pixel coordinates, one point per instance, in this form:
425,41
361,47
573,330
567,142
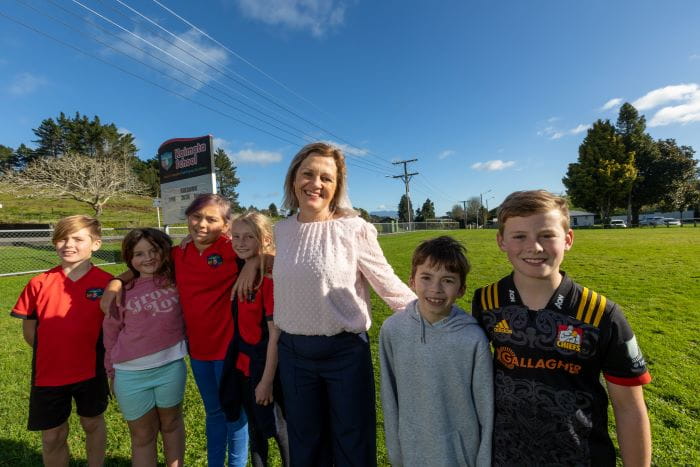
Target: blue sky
490,97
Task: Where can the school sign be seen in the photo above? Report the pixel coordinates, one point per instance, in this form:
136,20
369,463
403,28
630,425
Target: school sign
186,170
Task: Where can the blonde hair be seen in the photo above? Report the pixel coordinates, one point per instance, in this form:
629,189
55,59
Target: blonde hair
71,224
261,226
340,203
527,203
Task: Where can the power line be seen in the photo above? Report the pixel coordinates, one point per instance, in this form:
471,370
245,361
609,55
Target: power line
123,70
308,137
240,57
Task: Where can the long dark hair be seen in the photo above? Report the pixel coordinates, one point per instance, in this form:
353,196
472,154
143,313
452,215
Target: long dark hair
165,274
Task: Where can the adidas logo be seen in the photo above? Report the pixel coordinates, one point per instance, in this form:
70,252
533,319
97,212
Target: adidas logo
502,327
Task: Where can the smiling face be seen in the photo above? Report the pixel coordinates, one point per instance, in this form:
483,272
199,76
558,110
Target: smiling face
315,184
146,258
76,247
206,225
437,289
244,241
535,244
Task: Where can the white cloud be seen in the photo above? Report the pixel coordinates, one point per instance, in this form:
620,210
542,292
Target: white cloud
446,153
611,104
493,165
25,83
256,156
316,16
220,143
348,149
381,207
661,96
686,98
694,57
175,61
579,129
555,133
553,119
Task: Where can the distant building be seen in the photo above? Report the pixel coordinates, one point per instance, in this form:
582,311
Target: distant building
581,218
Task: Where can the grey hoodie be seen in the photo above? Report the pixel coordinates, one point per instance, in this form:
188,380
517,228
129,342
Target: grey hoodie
437,390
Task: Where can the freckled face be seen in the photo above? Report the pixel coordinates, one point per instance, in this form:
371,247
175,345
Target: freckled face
315,183
206,225
535,244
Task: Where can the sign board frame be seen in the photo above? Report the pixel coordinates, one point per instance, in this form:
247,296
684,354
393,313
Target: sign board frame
186,170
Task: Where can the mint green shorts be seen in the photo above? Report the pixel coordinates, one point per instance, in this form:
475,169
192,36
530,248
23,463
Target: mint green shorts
138,391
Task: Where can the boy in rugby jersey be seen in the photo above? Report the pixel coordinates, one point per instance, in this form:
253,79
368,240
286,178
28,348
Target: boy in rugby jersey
552,338
62,322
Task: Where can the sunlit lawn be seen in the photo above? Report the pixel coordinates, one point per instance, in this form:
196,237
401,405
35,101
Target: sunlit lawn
653,273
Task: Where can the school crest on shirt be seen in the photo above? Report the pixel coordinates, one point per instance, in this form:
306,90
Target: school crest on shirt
569,337
215,260
94,293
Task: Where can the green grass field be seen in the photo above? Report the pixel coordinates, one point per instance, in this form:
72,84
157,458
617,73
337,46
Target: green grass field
653,273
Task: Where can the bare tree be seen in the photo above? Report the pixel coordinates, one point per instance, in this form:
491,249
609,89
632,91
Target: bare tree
90,180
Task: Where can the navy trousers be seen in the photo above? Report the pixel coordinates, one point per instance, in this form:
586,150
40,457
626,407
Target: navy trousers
328,387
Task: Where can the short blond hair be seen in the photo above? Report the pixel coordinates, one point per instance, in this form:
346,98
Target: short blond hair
71,224
527,203
340,202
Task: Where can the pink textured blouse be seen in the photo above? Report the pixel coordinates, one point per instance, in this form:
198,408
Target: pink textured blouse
321,274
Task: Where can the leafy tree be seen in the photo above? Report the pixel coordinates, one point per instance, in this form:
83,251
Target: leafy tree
649,185
272,208
363,214
82,136
91,180
405,207
457,212
51,138
603,176
428,210
474,209
148,173
226,177
7,158
23,157
681,169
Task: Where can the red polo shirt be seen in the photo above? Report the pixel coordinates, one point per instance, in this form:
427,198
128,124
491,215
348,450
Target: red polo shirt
204,281
69,323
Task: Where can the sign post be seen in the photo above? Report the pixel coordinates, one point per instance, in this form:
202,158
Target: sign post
186,170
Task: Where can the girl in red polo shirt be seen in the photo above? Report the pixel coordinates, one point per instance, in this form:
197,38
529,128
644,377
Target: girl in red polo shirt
206,271
250,379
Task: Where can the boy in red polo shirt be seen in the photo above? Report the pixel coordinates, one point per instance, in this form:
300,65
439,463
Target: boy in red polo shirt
62,322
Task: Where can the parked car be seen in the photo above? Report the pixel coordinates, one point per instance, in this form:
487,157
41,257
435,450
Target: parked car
653,220
617,224
672,221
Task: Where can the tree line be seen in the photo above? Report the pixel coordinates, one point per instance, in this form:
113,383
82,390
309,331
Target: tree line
92,162
621,166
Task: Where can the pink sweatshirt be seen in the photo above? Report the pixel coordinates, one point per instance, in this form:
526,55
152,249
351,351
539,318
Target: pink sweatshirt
149,321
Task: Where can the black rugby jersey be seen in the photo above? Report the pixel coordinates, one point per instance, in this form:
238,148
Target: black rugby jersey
551,408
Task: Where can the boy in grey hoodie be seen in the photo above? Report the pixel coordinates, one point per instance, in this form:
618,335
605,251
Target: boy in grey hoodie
436,368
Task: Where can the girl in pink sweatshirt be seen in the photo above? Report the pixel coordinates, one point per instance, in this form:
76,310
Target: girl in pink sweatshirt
145,346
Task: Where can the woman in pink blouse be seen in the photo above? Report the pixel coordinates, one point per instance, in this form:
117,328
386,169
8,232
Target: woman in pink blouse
326,258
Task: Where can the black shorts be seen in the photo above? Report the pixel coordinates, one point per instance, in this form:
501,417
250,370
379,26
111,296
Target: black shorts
50,406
